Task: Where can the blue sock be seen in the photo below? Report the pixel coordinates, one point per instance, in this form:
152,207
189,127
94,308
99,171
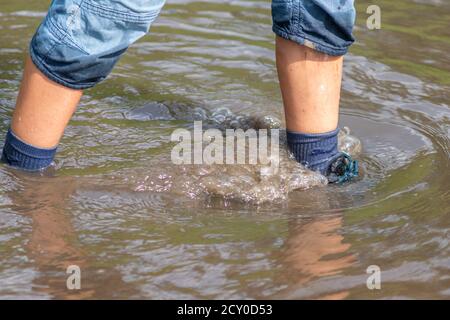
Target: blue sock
315,151
21,155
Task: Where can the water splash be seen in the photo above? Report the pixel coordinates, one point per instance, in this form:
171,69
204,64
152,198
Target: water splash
235,182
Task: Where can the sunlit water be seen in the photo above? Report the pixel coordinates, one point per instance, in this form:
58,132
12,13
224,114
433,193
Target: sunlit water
141,227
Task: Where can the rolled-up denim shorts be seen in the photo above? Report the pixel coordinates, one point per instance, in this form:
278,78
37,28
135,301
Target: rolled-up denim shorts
80,41
323,25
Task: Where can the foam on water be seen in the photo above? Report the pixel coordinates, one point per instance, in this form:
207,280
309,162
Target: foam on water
231,182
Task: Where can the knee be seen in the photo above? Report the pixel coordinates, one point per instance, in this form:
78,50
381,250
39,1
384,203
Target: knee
323,25
80,41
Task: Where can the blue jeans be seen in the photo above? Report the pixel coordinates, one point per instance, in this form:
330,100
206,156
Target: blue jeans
80,41
323,25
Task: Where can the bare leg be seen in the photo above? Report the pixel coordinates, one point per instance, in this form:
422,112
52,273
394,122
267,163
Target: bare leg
43,109
310,83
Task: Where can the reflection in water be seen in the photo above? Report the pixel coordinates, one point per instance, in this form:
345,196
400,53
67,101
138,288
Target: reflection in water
53,245
306,252
315,247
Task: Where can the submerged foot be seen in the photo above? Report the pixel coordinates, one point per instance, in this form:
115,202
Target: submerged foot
319,152
342,168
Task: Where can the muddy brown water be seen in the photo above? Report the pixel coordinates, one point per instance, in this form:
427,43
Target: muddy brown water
140,227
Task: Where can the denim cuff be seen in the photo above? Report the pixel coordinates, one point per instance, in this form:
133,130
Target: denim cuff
325,26
312,44
80,41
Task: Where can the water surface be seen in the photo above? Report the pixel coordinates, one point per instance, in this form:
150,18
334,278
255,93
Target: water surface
140,227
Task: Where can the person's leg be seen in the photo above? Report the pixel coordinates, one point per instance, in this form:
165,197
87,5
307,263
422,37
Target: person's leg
76,47
312,37
43,108
310,83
